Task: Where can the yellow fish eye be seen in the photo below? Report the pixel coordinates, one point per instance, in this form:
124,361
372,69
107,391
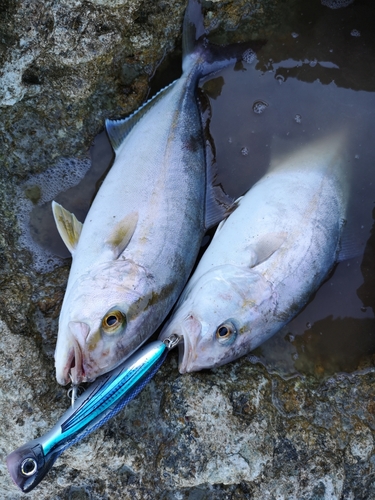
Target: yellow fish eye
112,321
226,332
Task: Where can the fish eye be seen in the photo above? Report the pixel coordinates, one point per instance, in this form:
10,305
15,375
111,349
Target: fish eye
226,332
112,321
29,467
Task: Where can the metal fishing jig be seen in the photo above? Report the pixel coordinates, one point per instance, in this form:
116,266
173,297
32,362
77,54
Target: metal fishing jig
100,402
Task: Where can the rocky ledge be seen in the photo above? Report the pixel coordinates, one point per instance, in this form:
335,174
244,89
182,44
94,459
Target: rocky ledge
235,432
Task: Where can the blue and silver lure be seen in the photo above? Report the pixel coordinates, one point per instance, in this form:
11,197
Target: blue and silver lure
101,401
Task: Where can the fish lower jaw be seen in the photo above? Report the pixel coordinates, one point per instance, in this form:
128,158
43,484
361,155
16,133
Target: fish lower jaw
73,370
185,364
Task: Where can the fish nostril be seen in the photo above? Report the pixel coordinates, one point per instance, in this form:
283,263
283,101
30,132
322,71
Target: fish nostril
79,330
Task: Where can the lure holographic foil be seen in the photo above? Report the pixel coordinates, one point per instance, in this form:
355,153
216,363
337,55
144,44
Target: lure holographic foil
101,401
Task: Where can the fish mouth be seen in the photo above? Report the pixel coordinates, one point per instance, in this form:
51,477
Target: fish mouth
74,371
187,355
183,355
183,347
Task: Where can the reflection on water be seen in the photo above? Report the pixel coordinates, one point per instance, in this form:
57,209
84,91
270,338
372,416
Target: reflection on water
309,79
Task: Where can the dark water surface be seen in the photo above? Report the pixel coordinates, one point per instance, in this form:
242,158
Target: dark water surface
314,75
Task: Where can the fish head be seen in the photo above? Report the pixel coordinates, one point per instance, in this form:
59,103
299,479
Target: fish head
221,316
102,320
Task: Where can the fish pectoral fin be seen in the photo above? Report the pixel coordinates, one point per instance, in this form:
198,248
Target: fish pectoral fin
122,233
266,246
67,225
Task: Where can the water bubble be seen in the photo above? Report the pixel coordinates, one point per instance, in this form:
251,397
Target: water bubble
280,78
308,325
244,151
313,63
336,4
295,35
248,56
355,33
356,157
291,337
298,118
295,356
230,140
259,107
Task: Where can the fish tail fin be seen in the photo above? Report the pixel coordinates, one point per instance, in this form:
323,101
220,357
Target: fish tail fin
204,56
193,32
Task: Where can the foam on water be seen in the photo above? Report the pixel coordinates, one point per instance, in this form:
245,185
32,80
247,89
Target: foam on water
41,189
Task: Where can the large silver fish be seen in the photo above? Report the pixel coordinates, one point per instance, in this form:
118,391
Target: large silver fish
137,246
266,258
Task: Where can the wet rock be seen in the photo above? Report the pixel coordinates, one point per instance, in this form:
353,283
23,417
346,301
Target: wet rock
233,433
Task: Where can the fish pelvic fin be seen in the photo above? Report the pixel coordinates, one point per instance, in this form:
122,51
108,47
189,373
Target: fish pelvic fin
67,225
122,234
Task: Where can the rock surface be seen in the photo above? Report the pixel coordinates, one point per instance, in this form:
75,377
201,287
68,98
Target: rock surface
233,433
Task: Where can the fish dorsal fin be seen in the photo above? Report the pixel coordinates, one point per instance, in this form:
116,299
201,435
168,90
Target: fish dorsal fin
67,225
117,130
264,247
122,233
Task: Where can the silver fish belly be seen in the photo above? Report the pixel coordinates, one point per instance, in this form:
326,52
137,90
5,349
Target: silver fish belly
266,258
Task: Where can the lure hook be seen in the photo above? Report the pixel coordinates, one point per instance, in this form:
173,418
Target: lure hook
171,341
74,392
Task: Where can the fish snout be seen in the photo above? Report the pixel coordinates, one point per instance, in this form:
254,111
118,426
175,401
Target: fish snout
69,355
80,331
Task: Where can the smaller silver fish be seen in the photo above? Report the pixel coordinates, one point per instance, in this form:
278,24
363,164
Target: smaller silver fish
266,258
104,399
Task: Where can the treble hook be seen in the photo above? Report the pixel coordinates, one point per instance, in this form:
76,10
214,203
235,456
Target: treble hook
74,392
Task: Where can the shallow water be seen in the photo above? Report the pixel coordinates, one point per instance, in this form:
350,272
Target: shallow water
312,77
